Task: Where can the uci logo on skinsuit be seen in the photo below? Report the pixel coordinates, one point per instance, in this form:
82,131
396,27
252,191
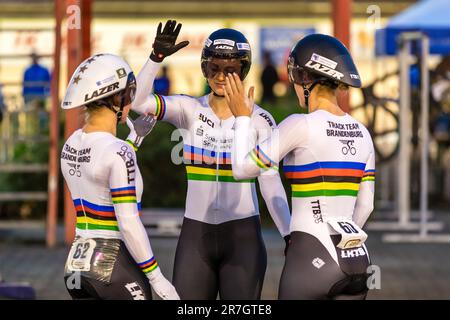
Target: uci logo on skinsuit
206,120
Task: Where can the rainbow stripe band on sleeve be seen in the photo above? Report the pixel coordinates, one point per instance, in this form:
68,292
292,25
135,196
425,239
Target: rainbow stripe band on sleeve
262,160
132,144
160,106
148,266
123,195
369,175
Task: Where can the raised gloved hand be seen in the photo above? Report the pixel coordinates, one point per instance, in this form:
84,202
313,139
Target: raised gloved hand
162,287
164,44
287,239
139,128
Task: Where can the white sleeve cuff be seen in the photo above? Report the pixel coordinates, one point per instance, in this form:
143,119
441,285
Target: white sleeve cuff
242,122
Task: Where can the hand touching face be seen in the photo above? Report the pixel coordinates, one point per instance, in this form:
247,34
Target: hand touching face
239,103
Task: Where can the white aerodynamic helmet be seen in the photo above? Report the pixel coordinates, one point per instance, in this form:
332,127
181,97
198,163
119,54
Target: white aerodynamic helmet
99,77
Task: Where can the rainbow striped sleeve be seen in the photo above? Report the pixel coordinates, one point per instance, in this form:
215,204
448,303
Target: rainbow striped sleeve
132,144
160,106
369,175
123,195
149,265
262,160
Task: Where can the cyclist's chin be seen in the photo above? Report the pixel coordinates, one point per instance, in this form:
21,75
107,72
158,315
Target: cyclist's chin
219,90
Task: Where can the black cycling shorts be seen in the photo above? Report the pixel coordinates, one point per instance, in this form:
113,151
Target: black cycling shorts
228,259
310,272
113,274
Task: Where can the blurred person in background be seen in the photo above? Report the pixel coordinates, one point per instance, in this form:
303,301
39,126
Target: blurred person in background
36,82
269,77
220,249
2,104
161,85
329,159
111,253
36,89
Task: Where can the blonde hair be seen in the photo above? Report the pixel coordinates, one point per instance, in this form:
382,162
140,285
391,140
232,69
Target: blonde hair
331,89
342,87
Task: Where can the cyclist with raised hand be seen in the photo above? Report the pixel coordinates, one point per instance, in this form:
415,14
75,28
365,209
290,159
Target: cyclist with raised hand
220,249
330,161
111,256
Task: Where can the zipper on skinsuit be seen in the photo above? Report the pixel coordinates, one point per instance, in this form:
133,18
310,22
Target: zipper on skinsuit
217,201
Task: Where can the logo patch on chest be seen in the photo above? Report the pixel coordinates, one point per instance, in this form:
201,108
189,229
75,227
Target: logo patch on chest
206,120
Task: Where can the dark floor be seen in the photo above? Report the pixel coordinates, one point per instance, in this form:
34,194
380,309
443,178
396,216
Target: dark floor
408,271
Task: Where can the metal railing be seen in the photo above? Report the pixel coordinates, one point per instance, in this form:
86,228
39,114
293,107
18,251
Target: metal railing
22,124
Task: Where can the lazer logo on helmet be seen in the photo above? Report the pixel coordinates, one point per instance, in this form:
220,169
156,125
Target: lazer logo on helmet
224,47
101,91
317,66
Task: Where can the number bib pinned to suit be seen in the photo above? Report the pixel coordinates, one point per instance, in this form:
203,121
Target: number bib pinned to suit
352,236
80,255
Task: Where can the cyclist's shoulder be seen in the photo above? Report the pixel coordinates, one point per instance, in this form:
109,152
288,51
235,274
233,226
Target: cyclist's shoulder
262,115
182,100
295,120
74,136
360,126
185,98
116,147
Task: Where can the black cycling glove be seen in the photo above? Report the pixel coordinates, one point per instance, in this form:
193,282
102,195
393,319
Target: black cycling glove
164,44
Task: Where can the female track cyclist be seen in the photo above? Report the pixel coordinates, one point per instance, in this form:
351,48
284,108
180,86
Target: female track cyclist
330,161
111,256
220,249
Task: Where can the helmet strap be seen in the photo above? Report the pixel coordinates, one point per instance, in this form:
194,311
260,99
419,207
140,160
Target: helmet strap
122,105
117,112
307,92
119,115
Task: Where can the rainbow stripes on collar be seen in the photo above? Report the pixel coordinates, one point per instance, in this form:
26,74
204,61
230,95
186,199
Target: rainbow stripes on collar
262,160
123,195
160,106
149,265
326,178
207,165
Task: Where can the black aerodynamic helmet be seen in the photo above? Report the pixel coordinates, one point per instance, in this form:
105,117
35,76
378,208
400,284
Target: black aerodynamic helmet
227,44
321,58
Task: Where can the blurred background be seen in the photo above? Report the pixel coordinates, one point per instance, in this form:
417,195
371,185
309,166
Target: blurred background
405,75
